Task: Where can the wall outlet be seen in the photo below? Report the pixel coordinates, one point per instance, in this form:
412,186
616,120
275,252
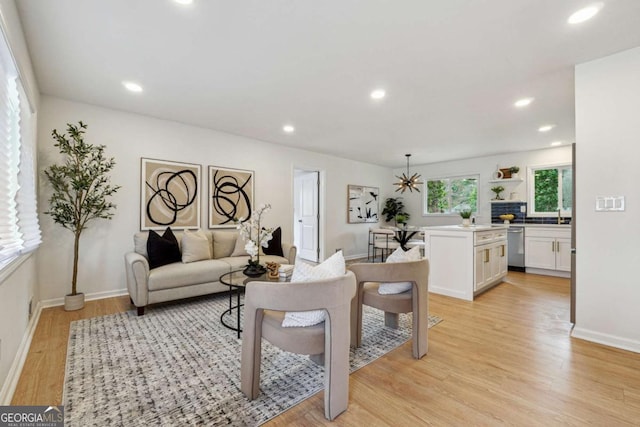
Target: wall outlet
523,209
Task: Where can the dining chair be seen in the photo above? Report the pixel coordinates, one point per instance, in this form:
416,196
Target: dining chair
369,276
381,239
327,343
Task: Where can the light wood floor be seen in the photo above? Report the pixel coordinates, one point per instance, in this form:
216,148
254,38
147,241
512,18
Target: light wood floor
506,358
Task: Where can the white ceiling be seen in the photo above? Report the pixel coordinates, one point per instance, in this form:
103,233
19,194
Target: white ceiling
452,69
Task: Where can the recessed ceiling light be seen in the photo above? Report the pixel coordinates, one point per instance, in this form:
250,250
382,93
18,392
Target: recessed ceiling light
585,14
546,128
183,2
378,94
288,128
133,87
556,143
523,102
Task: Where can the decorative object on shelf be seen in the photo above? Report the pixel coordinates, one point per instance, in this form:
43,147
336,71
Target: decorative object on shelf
255,236
81,192
362,204
394,206
406,182
272,270
498,173
514,172
230,196
169,195
498,189
506,173
514,196
466,217
507,218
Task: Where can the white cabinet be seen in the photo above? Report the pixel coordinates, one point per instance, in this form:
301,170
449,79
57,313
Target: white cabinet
490,262
465,261
547,249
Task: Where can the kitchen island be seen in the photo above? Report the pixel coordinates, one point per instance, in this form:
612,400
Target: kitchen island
465,261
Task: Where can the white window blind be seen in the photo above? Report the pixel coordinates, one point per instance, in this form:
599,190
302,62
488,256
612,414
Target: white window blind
27,204
19,228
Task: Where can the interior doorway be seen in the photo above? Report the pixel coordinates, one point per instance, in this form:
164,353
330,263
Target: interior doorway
306,213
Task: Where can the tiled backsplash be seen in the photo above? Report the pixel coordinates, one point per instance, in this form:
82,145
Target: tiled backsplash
498,209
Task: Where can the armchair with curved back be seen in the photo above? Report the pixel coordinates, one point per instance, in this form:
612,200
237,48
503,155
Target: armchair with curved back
327,342
368,278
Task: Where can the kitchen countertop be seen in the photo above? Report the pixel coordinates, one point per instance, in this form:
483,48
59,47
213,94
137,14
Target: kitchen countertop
539,225
479,227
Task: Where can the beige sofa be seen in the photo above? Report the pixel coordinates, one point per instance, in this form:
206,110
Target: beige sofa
183,280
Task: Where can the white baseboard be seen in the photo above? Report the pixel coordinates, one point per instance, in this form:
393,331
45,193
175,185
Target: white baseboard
350,257
13,376
606,339
88,297
545,272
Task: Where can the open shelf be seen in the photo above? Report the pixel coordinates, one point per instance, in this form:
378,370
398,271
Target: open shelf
507,180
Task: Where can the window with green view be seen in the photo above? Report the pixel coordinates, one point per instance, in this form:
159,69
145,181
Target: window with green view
551,190
451,195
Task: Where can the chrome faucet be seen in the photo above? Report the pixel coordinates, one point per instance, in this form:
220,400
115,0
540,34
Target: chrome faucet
560,220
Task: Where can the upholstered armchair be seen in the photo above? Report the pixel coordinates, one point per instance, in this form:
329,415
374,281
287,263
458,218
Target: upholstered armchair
327,342
369,276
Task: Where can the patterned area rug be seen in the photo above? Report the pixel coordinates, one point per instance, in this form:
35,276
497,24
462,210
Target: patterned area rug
177,365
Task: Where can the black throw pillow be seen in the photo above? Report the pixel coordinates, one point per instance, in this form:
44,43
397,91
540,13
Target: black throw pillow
163,249
275,244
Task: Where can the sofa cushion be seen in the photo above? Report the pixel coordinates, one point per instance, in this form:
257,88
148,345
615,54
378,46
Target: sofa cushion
275,244
223,243
179,274
163,249
195,246
239,249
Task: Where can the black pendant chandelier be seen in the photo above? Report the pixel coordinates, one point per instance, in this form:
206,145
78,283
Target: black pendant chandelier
406,182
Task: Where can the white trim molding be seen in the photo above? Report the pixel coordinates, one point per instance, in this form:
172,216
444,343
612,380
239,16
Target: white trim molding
55,302
606,339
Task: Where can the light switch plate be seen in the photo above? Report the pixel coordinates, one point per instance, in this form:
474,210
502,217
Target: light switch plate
523,209
610,204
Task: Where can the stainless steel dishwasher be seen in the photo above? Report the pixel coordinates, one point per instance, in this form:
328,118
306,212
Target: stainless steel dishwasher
515,238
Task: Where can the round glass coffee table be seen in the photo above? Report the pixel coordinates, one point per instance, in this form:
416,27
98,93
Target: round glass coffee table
236,281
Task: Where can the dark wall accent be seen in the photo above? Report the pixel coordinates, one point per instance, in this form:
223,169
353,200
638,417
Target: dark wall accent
498,209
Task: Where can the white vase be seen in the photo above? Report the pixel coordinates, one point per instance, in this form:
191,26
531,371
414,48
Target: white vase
466,222
74,302
514,175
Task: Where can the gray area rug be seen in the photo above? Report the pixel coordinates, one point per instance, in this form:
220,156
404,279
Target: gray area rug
177,365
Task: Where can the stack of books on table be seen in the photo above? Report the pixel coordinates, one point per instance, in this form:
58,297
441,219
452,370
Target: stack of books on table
285,271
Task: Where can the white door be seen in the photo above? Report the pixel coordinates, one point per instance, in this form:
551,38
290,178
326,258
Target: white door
307,219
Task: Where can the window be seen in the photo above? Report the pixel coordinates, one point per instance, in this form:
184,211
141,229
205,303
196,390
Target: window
19,229
451,195
549,190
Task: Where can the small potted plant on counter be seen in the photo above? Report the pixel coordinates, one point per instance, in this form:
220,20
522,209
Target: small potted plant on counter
466,217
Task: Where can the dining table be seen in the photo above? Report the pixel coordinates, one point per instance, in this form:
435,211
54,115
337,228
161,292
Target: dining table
404,234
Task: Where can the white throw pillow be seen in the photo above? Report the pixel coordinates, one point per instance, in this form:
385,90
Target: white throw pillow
195,246
399,255
332,267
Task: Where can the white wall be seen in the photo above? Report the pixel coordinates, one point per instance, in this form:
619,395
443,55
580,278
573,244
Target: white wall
128,137
485,167
17,287
607,155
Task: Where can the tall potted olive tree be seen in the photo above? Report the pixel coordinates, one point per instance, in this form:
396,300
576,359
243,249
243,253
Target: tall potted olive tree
81,189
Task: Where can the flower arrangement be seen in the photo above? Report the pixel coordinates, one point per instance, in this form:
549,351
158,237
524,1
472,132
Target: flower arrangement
255,236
